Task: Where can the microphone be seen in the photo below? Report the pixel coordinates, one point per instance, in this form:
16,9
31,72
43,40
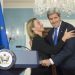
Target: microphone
19,46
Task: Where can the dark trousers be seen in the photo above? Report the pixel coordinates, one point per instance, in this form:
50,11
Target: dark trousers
41,70
68,71
59,70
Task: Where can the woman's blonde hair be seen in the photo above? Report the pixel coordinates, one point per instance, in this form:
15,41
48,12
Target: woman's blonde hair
30,25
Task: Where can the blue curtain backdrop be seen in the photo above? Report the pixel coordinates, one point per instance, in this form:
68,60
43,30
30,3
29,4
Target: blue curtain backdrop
3,37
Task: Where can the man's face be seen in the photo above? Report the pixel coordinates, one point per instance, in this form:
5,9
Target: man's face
54,20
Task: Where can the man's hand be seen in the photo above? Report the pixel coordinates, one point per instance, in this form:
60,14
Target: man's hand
45,62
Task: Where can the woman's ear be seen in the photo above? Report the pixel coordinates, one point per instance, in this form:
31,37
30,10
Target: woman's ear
33,29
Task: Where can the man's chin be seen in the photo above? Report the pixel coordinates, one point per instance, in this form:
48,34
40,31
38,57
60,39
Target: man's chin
55,26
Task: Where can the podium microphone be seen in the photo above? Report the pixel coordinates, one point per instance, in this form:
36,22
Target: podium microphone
19,46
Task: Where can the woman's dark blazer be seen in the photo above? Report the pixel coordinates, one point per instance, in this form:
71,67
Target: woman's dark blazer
44,49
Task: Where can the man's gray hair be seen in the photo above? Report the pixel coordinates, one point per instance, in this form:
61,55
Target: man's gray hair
52,11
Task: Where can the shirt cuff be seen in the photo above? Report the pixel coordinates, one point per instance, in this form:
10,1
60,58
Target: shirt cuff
51,61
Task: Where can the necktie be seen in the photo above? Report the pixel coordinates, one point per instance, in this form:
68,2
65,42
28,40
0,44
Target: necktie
55,36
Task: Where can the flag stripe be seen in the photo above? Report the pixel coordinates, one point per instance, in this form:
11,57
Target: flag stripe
3,37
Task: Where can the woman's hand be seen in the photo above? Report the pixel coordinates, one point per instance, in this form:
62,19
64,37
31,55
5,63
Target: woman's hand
68,35
45,62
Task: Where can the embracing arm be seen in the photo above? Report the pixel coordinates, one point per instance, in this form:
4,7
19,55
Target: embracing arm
65,53
38,43
62,56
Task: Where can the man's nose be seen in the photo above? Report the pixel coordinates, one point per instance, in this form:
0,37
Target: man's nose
53,21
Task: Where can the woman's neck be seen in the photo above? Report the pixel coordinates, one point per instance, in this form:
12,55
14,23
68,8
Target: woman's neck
38,33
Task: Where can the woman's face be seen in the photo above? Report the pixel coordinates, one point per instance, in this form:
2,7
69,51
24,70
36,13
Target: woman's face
38,26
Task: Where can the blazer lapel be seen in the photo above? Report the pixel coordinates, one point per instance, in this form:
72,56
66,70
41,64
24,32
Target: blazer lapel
52,36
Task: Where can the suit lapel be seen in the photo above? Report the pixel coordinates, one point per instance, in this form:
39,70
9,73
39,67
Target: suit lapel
61,30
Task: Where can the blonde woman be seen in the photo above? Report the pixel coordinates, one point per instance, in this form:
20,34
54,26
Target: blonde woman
35,29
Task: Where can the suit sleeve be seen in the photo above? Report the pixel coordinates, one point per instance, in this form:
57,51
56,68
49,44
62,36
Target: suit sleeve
40,44
65,53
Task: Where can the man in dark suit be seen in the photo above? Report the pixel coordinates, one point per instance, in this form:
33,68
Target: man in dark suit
65,58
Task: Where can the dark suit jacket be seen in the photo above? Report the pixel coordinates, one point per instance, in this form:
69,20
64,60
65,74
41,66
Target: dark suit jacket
66,55
41,46
60,43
